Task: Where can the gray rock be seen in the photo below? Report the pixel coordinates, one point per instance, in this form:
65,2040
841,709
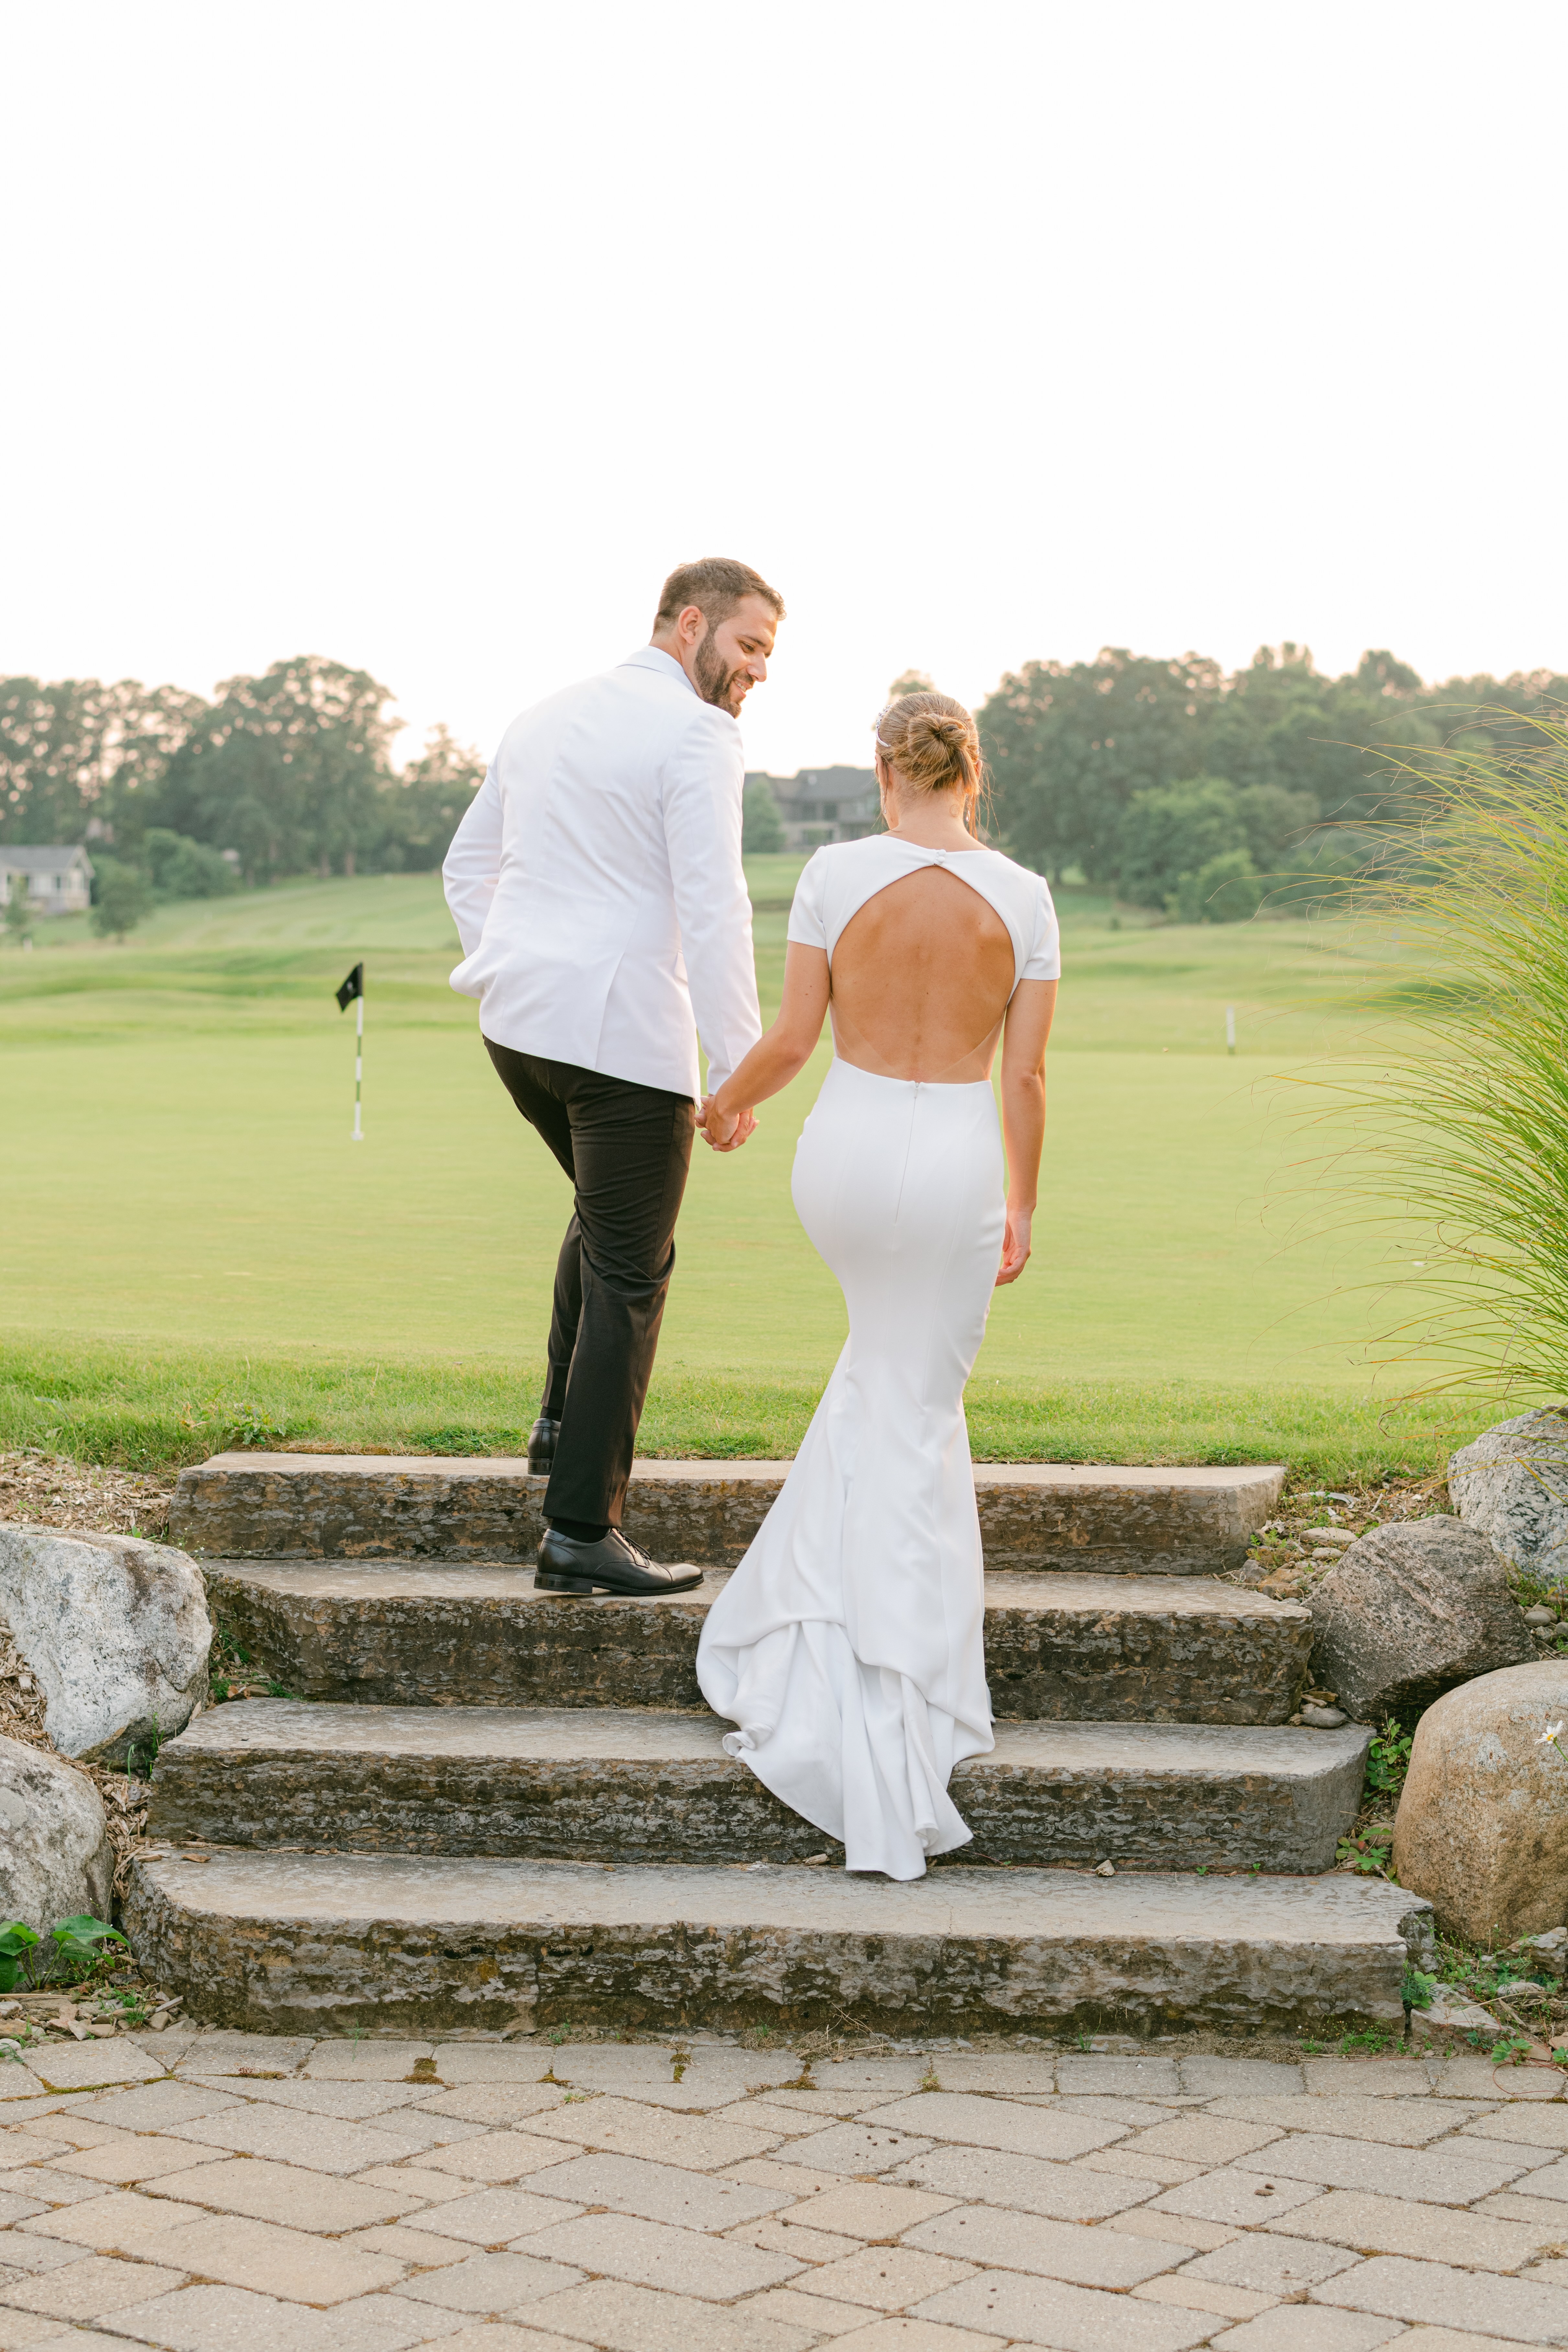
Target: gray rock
115,1629
1539,1616
1550,1952
1513,1484
1322,1719
56,1859
1482,1825
1408,1612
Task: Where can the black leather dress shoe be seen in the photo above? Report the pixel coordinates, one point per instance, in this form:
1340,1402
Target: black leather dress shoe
541,1446
611,1564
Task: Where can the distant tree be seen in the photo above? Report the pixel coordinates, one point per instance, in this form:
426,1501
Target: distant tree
1279,723
1175,830
1224,889
910,681
181,868
1069,745
18,913
78,754
420,809
287,768
121,895
1319,869
762,827
1274,823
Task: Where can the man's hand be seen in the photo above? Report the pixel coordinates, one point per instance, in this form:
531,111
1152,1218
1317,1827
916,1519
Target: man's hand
1015,1245
725,1131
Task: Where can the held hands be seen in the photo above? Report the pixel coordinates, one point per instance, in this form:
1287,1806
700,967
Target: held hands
725,1130
1015,1244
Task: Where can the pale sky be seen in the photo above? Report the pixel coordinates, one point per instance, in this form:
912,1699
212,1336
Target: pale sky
431,338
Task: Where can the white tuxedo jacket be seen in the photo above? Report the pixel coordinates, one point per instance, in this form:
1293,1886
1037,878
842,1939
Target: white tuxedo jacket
597,887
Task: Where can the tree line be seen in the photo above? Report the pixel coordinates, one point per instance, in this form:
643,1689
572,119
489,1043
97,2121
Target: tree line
288,773
1180,787
1171,783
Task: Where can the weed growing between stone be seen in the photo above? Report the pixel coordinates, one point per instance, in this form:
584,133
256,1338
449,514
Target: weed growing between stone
1532,1589
70,1951
1521,1988
234,1673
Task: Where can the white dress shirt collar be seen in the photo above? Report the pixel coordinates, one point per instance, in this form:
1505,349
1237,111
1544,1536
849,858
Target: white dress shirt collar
655,657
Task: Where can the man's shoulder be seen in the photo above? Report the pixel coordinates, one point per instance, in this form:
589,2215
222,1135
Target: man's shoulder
631,715
628,691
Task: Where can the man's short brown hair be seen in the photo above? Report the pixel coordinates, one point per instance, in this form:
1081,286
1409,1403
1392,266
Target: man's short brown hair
715,586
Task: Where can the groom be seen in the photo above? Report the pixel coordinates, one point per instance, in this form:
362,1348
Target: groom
597,888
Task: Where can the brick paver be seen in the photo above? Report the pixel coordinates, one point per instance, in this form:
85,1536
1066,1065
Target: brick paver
375,2197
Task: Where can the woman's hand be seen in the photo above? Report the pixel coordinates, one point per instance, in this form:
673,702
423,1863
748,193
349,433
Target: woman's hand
725,1130
1015,1244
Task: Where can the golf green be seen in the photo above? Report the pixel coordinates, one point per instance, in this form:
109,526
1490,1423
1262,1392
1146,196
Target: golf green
178,1176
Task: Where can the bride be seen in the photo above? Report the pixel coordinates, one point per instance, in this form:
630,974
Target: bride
848,1645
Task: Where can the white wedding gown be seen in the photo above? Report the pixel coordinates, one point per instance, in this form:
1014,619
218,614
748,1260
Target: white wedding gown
848,1643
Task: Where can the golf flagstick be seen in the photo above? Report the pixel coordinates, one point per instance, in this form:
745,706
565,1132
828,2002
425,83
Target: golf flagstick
353,993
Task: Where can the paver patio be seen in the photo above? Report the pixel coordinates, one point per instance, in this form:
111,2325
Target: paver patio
200,2191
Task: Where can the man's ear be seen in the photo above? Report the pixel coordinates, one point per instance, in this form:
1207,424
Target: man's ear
691,625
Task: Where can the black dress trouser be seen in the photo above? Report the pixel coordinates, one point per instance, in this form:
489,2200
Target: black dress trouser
628,1151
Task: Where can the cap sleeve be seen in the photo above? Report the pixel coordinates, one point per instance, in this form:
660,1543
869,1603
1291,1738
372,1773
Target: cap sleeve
807,924
1045,954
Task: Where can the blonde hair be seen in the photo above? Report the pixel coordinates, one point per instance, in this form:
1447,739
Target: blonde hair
932,741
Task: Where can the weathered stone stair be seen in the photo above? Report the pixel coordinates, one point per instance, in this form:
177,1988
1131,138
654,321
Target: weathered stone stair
1112,1649
1033,1514
484,1805
615,1785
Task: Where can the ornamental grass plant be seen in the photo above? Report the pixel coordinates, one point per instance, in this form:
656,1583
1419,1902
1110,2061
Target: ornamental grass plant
1463,1127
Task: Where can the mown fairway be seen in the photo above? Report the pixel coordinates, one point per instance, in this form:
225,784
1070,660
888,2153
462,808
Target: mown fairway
188,1232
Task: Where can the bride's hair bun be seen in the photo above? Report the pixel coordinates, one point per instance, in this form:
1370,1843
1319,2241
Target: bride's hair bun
932,742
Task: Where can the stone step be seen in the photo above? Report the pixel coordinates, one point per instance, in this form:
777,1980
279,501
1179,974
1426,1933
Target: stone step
412,1945
626,1785
1035,1516
1104,1649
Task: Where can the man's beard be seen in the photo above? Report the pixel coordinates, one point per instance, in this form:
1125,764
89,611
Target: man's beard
714,681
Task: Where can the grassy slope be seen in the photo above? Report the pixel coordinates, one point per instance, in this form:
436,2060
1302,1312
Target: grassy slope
190,1237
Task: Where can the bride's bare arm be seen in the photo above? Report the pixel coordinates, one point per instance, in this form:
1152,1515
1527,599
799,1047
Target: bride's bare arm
780,1053
1023,1113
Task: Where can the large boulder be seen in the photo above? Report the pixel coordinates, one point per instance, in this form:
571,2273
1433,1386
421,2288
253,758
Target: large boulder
1483,1826
1513,1484
116,1632
56,1859
1411,1610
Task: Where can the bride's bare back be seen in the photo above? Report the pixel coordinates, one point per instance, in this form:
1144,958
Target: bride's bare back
920,979
924,976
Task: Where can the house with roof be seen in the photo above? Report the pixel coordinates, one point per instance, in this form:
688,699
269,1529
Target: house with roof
821,805
54,881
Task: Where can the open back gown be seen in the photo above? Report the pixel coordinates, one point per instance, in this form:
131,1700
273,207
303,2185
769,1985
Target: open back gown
848,1643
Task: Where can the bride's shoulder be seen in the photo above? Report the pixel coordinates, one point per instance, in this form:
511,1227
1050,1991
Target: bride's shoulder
846,852
833,859
1025,877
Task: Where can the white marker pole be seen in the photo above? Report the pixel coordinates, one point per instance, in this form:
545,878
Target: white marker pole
1230,1028
358,1136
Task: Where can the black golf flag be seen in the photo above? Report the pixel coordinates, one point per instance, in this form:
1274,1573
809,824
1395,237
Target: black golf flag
353,988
